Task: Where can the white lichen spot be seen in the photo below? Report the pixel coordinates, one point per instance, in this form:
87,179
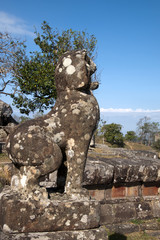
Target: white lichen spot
21,147
68,223
67,62
8,145
84,218
78,55
71,143
70,70
81,84
82,153
86,203
52,122
23,180
92,237
66,97
74,216
6,228
87,136
17,135
70,153
79,160
60,70
14,181
68,184
76,111
140,207
16,146
10,157
58,137
22,209
32,217
30,135
31,128
141,169
64,110
80,235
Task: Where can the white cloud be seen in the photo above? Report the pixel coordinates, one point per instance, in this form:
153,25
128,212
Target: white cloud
12,24
128,110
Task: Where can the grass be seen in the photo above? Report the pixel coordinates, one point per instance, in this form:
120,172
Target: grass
4,158
137,221
137,146
4,173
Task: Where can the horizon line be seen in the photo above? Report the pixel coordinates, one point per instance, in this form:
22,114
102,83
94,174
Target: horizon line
128,110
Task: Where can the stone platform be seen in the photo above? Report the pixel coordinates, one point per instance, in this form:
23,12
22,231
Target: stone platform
24,216
91,234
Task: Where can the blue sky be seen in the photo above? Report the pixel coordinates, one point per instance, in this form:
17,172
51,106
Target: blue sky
128,34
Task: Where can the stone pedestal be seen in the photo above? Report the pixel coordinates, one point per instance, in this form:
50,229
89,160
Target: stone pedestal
24,216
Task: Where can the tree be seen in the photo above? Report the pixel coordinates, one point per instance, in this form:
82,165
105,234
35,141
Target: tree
36,73
10,50
100,130
113,135
130,136
156,145
147,130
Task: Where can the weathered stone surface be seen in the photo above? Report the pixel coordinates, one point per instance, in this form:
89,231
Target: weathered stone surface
98,173
6,123
105,171
35,212
5,109
118,170
124,228
60,139
91,234
125,153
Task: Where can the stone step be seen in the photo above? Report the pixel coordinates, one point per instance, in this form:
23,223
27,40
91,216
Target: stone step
91,234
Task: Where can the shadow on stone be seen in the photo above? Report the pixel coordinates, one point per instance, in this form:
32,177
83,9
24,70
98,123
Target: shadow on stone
117,236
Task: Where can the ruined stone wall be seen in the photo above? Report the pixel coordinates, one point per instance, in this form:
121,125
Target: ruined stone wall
127,189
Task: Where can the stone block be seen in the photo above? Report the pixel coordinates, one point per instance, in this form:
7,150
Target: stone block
149,190
97,194
97,172
91,234
155,208
123,228
124,211
132,191
45,215
108,193
144,210
107,214
118,192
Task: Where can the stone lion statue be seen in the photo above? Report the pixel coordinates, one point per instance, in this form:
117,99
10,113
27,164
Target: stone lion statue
40,146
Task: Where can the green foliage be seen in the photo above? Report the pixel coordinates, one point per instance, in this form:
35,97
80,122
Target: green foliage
156,145
35,74
23,119
130,136
113,135
137,221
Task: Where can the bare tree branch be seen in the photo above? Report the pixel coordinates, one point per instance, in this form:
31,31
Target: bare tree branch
9,48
